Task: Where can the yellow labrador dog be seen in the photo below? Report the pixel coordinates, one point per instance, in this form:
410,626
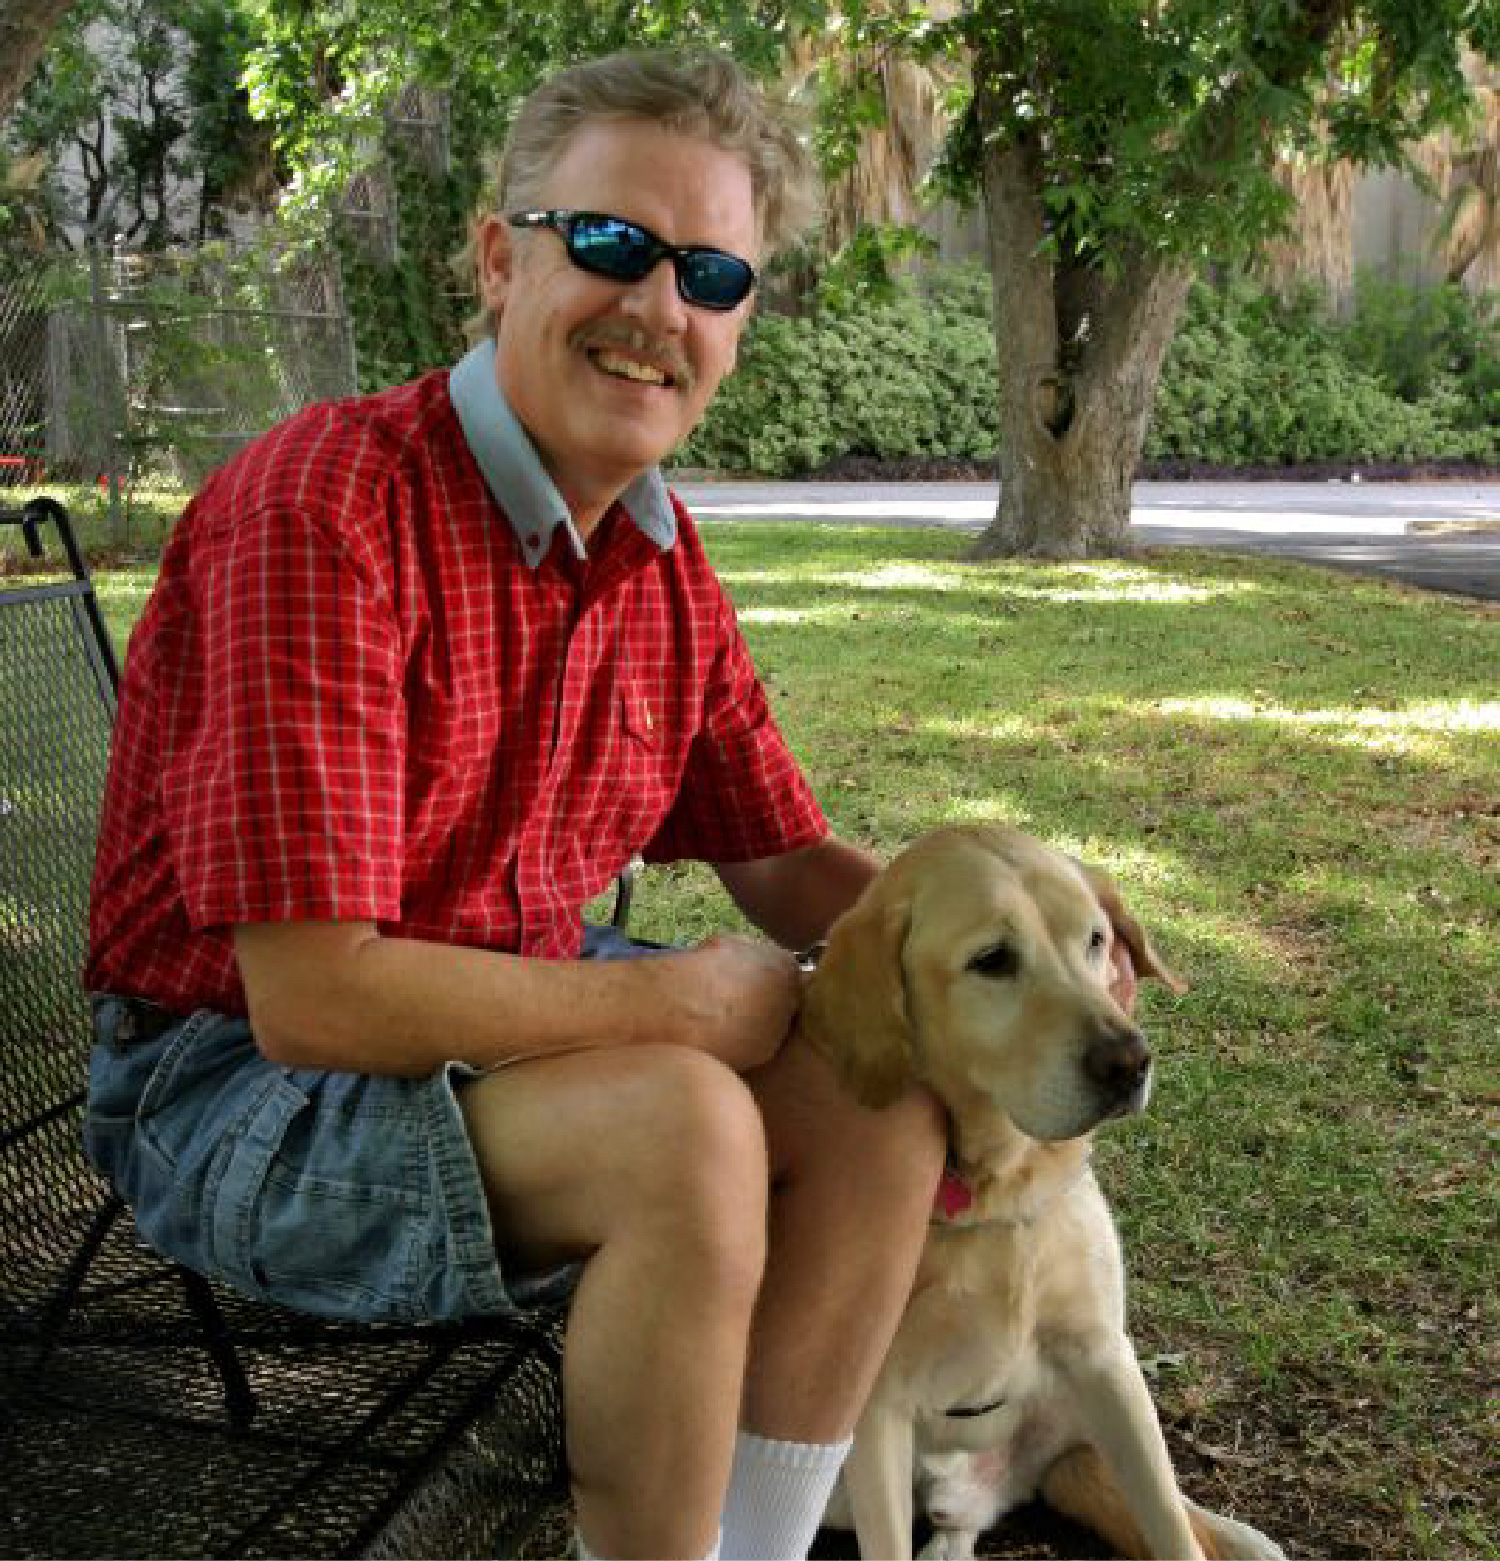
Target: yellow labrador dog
978,964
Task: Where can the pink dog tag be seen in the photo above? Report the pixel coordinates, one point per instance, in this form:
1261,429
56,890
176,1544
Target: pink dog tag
953,1195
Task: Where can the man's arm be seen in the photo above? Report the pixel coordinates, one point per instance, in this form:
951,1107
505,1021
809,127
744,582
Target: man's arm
338,995
795,898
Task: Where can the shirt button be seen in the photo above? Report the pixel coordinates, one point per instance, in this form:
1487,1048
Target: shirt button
533,541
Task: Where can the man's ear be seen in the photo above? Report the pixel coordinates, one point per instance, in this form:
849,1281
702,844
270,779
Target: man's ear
495,256
854,1011
1130,932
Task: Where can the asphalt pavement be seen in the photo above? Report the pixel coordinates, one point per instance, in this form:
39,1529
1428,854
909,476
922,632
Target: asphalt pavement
1440,536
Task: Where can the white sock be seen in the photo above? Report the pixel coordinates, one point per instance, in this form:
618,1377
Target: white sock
777,1495
585,1554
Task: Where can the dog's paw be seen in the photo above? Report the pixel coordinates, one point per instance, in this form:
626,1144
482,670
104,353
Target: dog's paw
1251,1545
949,1544
1230,1540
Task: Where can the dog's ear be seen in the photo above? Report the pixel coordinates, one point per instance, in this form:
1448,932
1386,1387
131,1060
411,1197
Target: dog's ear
854,1009
1145,958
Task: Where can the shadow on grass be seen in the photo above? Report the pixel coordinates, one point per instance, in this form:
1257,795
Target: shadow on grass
1293,774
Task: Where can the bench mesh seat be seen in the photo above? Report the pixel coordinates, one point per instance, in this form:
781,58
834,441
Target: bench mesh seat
143,1410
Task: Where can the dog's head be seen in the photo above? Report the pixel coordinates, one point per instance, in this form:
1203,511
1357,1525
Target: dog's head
978,963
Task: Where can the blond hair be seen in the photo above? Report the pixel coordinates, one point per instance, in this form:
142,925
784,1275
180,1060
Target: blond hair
701,94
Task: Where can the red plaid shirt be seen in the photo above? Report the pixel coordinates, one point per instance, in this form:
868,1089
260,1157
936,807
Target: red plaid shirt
352,697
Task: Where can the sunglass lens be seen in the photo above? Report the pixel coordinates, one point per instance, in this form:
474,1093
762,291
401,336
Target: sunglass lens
714,280
612,248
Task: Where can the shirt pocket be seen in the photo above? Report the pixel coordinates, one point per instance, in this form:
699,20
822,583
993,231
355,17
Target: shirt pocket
638,720
639,785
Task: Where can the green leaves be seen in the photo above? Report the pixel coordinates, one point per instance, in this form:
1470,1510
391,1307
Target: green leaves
1255,379
909,374
1252,379
1150,127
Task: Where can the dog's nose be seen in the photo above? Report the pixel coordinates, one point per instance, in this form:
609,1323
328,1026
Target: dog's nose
1118,1061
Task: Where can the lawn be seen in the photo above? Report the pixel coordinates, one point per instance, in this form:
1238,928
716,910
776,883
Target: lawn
1296,776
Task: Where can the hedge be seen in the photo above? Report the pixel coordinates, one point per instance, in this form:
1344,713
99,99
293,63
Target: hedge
1252,379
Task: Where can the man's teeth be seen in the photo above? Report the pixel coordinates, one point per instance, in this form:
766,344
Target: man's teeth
630,368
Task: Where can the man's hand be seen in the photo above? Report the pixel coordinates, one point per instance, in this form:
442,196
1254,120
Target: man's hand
747,993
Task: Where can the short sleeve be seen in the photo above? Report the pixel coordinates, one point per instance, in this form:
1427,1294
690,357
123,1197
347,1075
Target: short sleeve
283,764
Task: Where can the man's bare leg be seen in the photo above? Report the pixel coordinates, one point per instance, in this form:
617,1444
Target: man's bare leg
852,1193
851,1197
649,1163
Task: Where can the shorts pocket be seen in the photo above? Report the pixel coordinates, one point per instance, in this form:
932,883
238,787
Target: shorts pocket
176,1071
319,1243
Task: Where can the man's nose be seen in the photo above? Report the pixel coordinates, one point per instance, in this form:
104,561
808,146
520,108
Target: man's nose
655,301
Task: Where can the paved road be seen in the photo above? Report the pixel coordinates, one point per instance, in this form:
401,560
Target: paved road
1442,536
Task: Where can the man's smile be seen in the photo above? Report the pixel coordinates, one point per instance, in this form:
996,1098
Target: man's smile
630,368
625,351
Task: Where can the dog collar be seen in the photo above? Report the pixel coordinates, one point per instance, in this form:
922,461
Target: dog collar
954,1195
955,1198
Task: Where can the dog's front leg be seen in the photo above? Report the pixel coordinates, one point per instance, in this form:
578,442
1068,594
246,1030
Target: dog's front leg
1115,1405
879,1474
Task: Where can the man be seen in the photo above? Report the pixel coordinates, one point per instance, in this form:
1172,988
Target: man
421,672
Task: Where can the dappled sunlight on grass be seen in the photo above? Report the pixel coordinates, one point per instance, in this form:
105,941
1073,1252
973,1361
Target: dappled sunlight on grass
1411,729
131,586
900,577
1129,592
1126,583
990,807
1213,943
832,613
1061,583
990,724
893,577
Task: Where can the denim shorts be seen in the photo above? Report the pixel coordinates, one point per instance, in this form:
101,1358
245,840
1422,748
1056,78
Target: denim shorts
351,1195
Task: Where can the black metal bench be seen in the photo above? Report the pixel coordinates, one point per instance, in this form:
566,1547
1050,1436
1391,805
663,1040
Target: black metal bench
143,1410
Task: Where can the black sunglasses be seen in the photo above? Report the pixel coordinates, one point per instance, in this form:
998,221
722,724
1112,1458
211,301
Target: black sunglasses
626,252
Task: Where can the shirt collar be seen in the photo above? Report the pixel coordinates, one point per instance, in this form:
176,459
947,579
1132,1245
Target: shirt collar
516,478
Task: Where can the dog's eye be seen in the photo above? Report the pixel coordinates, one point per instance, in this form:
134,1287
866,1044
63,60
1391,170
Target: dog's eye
1098,942
998,962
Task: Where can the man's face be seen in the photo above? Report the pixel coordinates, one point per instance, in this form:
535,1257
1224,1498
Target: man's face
609,377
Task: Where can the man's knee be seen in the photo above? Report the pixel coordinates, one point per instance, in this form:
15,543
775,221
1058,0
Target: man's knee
703,1181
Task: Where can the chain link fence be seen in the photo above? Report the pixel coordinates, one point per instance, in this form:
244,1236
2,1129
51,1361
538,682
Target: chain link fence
125,367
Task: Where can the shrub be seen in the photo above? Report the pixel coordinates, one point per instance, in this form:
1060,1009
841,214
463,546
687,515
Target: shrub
1252,379
913,375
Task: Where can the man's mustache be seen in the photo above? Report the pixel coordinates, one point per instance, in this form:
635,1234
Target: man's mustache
666,355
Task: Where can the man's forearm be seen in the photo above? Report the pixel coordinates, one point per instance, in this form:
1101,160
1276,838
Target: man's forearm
340,996
796,898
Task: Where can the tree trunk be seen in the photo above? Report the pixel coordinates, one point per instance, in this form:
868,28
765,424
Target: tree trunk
25,26
1079,357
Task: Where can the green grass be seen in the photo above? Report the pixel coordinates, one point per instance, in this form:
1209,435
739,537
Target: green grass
1296,776
147,512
